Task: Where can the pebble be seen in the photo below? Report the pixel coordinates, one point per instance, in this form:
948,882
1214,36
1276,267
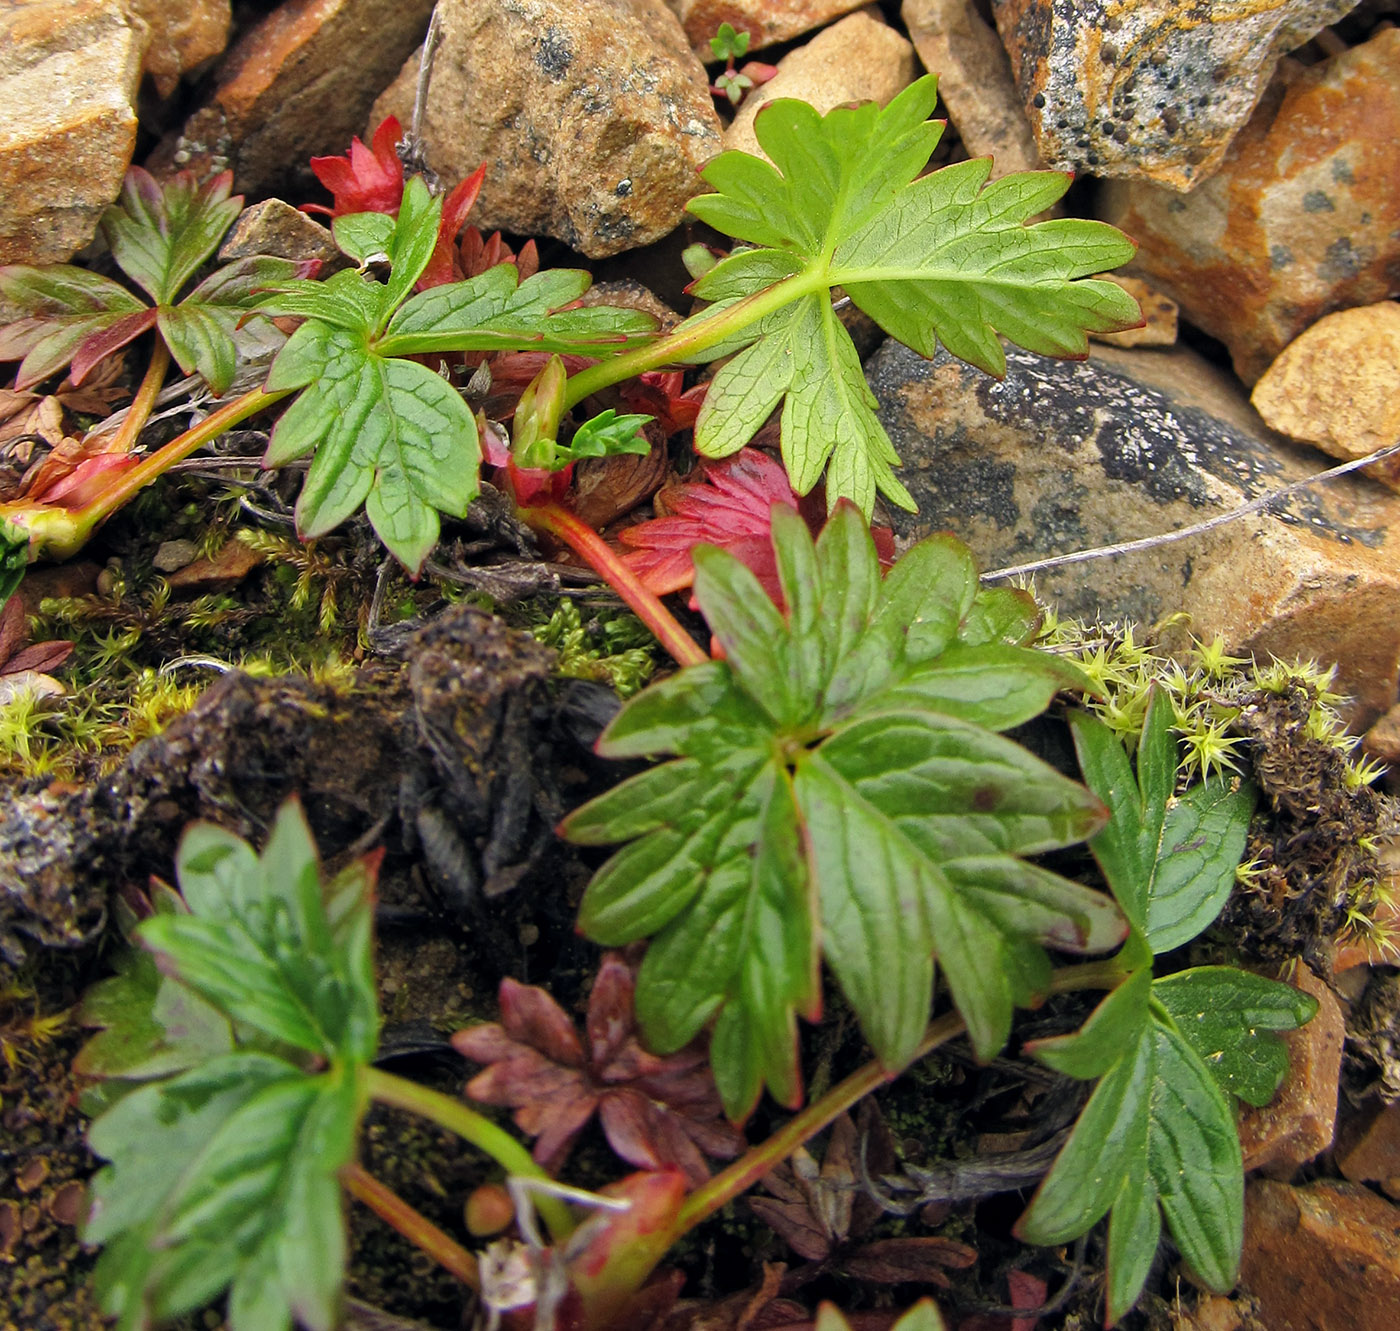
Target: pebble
859,59
588,136
1302,218
69,73
276,228
1338,386
1322,1257
172,555
1062,455
1148,89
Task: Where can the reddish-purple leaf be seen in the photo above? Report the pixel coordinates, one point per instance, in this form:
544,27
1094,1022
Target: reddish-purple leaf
110,339
657,1112
15,656
920,1261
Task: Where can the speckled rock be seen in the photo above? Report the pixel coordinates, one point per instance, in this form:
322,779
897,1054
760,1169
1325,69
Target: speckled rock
1298,1123
766,21
298,85
183,34
1302,219
1148,89
1322,1257
69,71
1159,314
596,134
974,81
1061,455
1338,386
858,59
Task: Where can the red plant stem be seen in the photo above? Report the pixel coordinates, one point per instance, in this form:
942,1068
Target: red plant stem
145,400
412,1224
584,541
754,1164
179,448
739,1177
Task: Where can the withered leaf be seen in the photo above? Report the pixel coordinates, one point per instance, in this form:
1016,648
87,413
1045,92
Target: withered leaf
655,1111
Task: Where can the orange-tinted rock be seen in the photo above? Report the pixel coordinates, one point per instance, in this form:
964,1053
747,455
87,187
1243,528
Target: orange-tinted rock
1383,739
1338,386
216,573
974,81
1063,456
1368,1150
69,71
858,59
1303,217
301,83
1323,1257
183,34
766,21
1298,1123
1148,89
592,116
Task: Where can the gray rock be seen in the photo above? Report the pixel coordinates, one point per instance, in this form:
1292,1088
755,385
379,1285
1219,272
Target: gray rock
592,116
69,70
276,228
1148,89
1061,456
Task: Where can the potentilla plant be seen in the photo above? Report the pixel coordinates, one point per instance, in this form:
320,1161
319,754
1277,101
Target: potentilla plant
839,792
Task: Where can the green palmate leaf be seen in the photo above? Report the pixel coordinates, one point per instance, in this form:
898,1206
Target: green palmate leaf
838,789
1170,859
160,235
258,944
946,257
224,1177
387,432
1158,1135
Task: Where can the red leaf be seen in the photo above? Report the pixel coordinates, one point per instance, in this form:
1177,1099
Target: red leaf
657,1112
1026,1291
15,657
442,267
368,180
731,506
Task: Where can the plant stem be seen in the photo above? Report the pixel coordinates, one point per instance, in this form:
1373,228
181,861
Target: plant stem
583,540
412,1224
754,1164
693,336
452,1114
179,448
139,412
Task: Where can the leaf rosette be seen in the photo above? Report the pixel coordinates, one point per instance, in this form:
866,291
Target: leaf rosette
839,789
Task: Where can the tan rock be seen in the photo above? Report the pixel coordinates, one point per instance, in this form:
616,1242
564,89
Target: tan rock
69,71
1148,89
1338,386
766,21
300,84
592,116
1368,1150
1302,218
859,59
1382,741
1062,456
1322,1257
1158,316
216,573
276,228
183,34
974,81
1298,1123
